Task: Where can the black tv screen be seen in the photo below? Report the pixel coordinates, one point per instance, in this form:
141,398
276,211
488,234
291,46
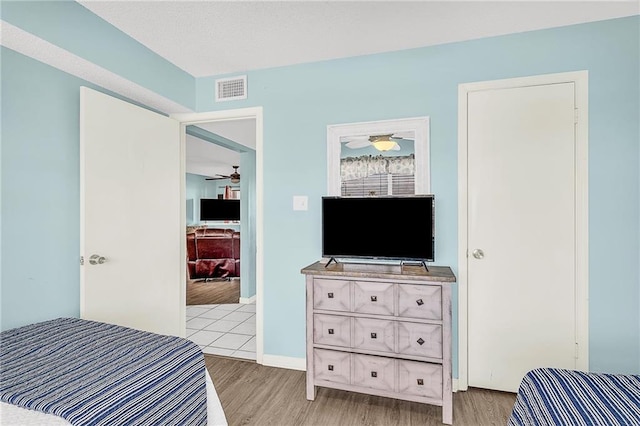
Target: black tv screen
219,209
400,228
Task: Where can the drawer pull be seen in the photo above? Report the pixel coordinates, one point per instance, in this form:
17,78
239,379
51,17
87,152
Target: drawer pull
419,302
331,369
330,295
420,341
331,331
374,374
374,335
374,298
420,382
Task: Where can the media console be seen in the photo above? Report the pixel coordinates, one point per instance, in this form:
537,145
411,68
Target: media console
382,330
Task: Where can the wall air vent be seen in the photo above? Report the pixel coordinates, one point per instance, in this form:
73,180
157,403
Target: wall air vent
230,89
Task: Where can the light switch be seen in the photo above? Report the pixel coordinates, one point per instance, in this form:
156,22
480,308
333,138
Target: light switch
300,202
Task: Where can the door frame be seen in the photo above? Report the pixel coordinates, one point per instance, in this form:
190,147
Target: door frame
580,80
255,113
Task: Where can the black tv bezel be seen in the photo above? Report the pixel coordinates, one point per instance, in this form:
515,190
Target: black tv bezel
410,259
233,200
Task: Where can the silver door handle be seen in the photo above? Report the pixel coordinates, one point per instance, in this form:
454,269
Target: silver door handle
478,254
96,259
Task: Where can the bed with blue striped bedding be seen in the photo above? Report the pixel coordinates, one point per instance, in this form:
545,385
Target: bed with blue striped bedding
93,373
549,396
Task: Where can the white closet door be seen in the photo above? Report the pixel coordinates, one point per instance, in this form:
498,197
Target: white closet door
521,233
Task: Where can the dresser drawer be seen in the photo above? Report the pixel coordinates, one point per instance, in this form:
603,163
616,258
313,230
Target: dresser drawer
420,339
332,366
420,378
373,298
374,334
420,301
332,330
374,372
332,295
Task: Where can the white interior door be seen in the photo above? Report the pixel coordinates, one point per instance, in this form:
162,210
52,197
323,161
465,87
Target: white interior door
131,208
521,233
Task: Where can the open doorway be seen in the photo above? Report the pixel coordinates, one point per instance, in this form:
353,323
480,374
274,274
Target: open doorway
220,192
213,219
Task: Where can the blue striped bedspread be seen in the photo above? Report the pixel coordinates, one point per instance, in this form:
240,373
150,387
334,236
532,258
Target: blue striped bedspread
92,373
549,396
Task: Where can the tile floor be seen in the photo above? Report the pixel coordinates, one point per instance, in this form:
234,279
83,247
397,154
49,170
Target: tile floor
228,330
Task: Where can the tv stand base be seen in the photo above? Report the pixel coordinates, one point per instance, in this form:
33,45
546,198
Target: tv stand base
402,263
333,259
422,262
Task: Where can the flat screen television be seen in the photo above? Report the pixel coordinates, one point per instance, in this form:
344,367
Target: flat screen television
219,209
394,227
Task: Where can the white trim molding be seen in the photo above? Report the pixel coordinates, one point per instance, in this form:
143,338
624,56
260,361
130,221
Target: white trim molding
287,362
247,300
581,81
419,125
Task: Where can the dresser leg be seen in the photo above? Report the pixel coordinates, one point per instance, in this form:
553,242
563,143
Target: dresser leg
447,410
311,391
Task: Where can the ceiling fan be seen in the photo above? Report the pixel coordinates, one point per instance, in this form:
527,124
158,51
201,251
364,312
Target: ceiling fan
386,142
235,176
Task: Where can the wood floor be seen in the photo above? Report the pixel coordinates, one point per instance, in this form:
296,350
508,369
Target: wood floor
252,394
217,291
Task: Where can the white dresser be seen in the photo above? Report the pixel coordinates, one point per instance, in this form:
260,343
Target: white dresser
382,330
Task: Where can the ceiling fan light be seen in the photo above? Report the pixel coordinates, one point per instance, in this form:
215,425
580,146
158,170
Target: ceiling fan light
383,145
235,176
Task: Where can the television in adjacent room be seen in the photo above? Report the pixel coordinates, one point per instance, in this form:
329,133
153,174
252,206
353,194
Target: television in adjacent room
393,227
219,209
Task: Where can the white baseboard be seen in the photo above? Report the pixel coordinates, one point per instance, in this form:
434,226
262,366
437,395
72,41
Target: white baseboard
454,385
287,362
246,300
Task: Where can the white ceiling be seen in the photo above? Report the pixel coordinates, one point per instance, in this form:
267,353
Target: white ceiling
207,159
216,37
242,131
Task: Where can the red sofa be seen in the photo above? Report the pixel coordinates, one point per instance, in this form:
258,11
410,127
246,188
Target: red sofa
213,253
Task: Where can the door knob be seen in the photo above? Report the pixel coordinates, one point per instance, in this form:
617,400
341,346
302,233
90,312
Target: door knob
478,254
96,259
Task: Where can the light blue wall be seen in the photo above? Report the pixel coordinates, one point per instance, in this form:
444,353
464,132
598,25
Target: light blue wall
40,166
71,26
40,192
248,220
304,99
